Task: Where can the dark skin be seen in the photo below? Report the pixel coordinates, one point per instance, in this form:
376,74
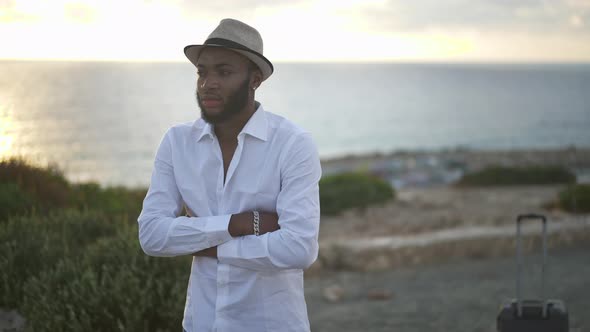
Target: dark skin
221,74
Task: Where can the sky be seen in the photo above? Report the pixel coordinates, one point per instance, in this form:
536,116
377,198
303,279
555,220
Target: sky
302,30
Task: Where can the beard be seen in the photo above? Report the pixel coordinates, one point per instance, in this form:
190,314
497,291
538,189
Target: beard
235,104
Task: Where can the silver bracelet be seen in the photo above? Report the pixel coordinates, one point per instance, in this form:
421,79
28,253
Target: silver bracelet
256,223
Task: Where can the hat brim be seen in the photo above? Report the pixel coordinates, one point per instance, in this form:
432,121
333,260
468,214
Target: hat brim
192,52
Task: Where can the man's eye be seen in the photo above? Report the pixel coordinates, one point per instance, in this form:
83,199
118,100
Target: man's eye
225,73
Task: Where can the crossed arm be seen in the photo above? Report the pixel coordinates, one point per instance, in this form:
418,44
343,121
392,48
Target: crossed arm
288,239
241,224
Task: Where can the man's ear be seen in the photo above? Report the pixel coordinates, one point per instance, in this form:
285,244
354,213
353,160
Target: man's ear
256,78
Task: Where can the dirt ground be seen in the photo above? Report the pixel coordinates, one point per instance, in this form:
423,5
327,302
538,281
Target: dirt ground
427,225
420,210
462,283
458,296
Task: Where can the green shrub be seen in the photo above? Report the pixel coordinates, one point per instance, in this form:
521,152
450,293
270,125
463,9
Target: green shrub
507,176
111,200
47,186
86,196
576,198
13,201
352,190
25,187
32,244
114,286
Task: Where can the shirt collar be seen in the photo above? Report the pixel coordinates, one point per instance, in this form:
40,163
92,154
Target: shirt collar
205,128
257,126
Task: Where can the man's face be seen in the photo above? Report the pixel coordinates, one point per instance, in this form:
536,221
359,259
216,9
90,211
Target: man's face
223,85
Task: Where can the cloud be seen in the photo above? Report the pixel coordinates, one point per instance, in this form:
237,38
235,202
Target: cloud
578,3
80,12
329,29
529,16
9,13
7,4
231,8
34,11
235,5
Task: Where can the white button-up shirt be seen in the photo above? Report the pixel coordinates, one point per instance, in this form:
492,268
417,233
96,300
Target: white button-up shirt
256,283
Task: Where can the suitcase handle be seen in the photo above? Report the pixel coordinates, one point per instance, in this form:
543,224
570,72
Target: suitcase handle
519,219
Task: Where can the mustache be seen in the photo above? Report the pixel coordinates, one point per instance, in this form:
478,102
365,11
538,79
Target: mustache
206,95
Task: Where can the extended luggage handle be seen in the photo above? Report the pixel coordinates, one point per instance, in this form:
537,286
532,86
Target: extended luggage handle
519,260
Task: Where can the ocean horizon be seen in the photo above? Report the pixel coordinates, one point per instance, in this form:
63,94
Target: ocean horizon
103,121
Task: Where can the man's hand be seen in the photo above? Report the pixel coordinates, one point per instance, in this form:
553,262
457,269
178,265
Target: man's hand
243,223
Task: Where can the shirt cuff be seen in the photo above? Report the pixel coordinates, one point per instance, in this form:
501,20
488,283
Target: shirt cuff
217,230
244,247
227,250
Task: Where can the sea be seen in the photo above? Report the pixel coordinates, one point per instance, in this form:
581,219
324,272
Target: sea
103,121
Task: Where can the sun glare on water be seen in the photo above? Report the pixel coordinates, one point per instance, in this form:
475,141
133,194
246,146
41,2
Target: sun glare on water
6,129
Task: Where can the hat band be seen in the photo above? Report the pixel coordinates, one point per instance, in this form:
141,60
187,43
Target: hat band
228,43
232,44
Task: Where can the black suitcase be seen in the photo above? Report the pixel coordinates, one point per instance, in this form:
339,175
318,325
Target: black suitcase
542,315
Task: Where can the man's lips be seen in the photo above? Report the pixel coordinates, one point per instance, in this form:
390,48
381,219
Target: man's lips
211,102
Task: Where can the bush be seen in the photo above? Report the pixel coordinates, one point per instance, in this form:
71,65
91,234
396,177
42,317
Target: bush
25,188
114,286
352,190
47,186
111,200
507,176
29,245
575,198
13,201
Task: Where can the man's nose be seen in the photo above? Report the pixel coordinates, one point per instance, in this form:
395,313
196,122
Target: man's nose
209,83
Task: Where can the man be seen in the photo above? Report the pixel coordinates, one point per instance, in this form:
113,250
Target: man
249,181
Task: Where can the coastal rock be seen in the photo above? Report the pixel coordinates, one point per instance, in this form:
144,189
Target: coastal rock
333,293
11,321
379,295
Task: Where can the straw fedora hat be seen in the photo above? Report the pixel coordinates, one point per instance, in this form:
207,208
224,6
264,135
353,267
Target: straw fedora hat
238,37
